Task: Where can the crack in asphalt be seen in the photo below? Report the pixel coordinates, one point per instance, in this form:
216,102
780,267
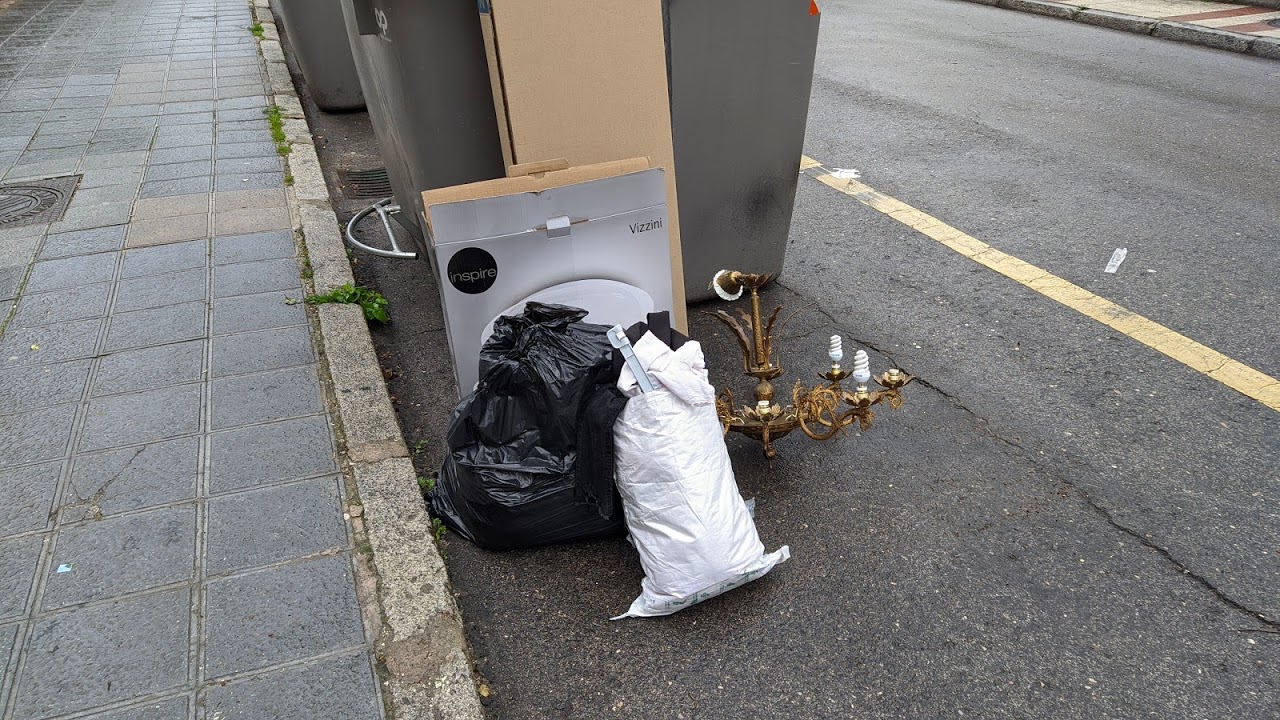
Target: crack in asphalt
1089,500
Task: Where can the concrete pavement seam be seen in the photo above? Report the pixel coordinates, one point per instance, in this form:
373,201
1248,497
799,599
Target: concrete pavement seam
421,643
1263,47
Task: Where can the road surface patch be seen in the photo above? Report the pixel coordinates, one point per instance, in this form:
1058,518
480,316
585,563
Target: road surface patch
1232,373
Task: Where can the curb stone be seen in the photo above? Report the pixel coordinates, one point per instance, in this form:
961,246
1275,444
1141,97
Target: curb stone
1116,21
1185,32
1258,46
421,643
1051,9
1266,47
330,268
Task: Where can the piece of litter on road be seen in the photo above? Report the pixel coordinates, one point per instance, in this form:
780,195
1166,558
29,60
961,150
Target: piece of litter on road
35,347
291,301
1117,257
845,174
64,568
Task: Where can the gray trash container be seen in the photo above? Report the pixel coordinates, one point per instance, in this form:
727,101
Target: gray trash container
426,84
740,73
319,39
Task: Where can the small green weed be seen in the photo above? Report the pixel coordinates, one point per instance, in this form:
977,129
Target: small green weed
371,301
256,29
419,447
438,529
276,121
426,484
288,180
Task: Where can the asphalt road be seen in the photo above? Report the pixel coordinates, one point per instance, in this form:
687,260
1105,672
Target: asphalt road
1061,522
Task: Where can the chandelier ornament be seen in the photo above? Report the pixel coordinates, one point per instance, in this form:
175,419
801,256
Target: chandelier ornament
822,411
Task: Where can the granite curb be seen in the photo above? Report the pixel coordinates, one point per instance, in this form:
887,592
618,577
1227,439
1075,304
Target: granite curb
421,645
1264,47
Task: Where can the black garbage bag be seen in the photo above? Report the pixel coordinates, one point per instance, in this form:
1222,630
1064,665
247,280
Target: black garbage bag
508,481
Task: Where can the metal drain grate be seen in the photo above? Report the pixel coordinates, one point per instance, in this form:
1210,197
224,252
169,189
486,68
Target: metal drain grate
32,203
366,183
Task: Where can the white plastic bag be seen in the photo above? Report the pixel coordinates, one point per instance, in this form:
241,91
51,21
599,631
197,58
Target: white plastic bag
687,519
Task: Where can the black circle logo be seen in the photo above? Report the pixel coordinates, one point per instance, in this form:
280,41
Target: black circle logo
472,270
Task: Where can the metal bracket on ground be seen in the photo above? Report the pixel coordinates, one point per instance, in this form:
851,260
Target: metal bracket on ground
385,210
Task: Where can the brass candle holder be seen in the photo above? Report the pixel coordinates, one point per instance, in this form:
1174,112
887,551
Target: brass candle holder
822,411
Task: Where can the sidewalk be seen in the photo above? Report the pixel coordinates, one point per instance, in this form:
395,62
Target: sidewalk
172,532
1246,19
1227,26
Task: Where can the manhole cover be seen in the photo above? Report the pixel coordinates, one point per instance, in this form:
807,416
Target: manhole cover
366,183
31,203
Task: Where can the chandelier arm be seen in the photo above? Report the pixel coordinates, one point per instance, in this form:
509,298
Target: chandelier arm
768,332
738,333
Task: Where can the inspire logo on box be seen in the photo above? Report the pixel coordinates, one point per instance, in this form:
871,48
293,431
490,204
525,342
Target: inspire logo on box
472,270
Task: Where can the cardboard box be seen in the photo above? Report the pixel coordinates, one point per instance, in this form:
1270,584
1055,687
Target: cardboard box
584,81
599,228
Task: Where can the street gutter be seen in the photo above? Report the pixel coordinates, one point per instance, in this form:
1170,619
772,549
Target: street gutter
423,659
1263,47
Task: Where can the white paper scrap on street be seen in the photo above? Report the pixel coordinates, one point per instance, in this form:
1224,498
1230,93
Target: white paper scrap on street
845,174
1117,257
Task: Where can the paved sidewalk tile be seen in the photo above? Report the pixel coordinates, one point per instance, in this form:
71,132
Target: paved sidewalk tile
339,687
253,352
83,242
141,417
272,453
109,653
35,435
241,222
273,524
281,614
163,231
150,367
255,277
26,497
157,326
36,386
159,290
263,397
254,246
164,259
125,554
49,343
18,559
137,477
171,206
71,272
73,303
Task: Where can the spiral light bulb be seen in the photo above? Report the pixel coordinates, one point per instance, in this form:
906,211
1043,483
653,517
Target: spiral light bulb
835,349
861,367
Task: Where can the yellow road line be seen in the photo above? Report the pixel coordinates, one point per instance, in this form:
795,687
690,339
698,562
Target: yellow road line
1235,375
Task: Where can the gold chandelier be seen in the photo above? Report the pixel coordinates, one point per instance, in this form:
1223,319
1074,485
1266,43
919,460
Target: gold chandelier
822,411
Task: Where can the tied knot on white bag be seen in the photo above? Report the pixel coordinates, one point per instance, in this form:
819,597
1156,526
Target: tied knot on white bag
683,371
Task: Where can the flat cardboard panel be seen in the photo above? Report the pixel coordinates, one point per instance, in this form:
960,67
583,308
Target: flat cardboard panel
586,81
530,183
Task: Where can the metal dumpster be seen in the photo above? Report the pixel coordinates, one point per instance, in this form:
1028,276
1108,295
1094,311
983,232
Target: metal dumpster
426,84
318,35
740,73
